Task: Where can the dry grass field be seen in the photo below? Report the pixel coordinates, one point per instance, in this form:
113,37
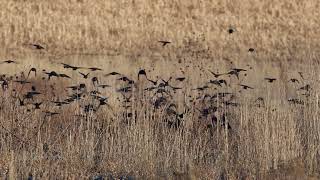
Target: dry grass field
210,114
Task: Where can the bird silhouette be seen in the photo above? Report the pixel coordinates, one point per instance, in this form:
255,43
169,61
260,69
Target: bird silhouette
164,43
4,85
270,80
141,72
9,62
294,80
85,76
245,86
37,105
234,72
32,70
49,113
21,101
201,88
59,103
215,74
215,82
306,87
180,79
74,68
231,30
153,82
112,74
251,50
94,69
296,101
95,81
301,75
31,94
37,46
64,76
125,89
104,85
52,74
22,81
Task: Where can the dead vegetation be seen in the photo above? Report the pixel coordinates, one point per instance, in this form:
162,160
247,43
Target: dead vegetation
274,139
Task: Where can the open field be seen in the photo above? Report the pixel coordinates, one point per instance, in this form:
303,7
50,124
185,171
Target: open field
199,107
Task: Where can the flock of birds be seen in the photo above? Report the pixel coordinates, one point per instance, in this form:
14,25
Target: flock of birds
28,93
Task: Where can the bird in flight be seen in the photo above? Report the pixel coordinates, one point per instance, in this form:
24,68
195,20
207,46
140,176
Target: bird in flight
85,76
245,86
52,73
37,46
64,76
231,30
32,70
104,86
95,69
294,80
67,66
180,79
215,74
270,80
164,43
306,87
9,62
112,74
301,75
141,72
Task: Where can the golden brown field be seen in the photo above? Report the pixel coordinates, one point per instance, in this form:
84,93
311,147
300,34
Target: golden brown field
224,120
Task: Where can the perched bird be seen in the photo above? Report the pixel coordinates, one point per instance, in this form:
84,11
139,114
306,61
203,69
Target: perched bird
164,43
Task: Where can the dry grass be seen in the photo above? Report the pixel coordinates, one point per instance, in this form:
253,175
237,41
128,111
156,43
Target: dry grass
277,141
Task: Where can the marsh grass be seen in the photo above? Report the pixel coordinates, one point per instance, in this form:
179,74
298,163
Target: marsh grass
277,140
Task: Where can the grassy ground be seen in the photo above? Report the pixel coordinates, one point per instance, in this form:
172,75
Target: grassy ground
277,141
